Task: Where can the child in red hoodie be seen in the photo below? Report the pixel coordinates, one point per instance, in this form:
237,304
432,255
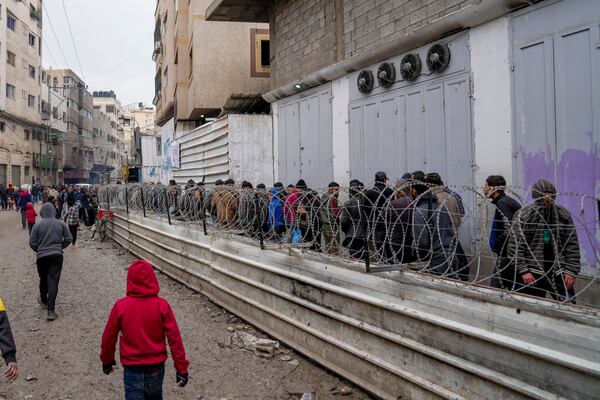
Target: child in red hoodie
145,321
30,215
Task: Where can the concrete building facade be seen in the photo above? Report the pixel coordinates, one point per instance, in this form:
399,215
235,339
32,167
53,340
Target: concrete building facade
21,86
109,137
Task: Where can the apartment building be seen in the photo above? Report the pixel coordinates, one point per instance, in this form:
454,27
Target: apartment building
20,88
78,140
201,64
109,143
138,121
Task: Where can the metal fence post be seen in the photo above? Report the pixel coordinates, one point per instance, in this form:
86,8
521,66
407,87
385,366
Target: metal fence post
108,198
259,221
143,200
167,202
127,199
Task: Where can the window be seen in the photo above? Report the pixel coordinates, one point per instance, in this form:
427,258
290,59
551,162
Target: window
260,53
166,79
24,93
27,134
2,126
110,109
164,25
32,40
32,71
31,101
26,171
11,58
265,53
11,22
10,91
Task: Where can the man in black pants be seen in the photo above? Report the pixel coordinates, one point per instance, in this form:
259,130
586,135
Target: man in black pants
48,238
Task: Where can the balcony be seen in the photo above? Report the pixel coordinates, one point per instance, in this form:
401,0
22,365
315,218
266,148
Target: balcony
157,50
239,11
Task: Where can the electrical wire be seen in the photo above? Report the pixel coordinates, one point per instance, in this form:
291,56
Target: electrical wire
49,52
131,77
73,40
55,35
124,60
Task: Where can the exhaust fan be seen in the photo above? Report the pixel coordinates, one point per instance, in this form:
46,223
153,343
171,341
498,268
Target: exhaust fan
386,74
365,81
411,67
438,57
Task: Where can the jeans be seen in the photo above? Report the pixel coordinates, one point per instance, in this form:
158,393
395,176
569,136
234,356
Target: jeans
73,230
23,218
49,269
144,382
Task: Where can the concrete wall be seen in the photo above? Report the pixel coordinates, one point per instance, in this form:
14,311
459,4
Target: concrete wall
167,133
151,161
340,90
492,100
305,39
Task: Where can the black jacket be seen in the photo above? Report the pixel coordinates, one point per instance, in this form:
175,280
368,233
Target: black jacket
506,207
376,205
7,343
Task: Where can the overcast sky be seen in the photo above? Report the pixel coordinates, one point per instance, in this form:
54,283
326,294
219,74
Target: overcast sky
114,42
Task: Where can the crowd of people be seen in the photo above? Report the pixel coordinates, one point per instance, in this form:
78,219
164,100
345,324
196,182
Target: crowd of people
415,222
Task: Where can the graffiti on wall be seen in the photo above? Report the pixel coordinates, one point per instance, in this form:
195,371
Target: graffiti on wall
577,172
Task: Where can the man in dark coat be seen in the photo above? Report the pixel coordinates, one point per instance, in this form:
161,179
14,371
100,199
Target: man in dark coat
399,217
506,207
353,222
543,246
377,201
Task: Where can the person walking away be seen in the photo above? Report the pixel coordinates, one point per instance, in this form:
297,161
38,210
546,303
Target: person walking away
433,232
142,321
24,199
7,346
353,222
329,214
377,201
49,237
399,217
72,219
10,192
543,246
225,202
84,205
308,218
248,211
30,215
506,207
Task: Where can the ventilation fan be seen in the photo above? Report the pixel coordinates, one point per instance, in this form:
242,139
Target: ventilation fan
386,74
438,57
365,81
410,67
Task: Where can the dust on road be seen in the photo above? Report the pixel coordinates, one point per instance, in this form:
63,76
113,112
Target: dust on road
60,360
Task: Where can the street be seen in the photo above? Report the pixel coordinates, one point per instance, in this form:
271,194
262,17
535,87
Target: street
60,360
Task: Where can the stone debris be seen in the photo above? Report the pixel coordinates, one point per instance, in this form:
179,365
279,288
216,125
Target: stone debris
341,391
30,378
261,347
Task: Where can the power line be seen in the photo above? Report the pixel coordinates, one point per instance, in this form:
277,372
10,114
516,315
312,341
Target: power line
130,77
73,39
49,52
124,60
55,35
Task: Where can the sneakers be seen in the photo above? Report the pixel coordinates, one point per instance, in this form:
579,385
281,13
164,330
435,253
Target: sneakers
51,316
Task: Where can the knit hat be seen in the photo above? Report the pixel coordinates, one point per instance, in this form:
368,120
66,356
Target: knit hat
301,184
333,185
541,188
380,176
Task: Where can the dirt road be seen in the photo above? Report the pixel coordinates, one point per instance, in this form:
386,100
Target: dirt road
59,360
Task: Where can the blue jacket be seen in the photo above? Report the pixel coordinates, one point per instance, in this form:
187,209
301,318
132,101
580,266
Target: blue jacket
275,219
23,200
83,199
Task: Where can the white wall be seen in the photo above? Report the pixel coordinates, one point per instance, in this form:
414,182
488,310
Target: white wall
166,133
492,101
151,161
251,148
340,90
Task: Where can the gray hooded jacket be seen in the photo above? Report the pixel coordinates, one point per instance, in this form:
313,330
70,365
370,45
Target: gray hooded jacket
50,235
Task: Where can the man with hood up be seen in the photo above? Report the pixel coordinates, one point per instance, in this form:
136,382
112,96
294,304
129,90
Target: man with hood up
543,246
144,320
49,237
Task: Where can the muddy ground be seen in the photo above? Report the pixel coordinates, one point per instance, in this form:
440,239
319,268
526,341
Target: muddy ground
60,360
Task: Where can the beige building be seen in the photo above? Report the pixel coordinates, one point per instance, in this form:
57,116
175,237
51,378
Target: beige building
140,120
200,64
109,143
21,86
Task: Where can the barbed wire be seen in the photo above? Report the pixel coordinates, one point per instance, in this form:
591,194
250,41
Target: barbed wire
414,226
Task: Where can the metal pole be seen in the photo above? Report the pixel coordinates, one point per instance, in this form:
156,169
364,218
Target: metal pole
108,198
259,221
203,213
143,201
167,202
127,199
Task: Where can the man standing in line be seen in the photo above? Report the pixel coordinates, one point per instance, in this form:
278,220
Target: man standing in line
7,346
543,246
506,207
48,239
377,201
330,213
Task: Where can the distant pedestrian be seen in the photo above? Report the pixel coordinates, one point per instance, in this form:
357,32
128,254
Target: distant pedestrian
24,199
276,219
49,237
3,197
143,322
399,218
7,346
72,219
330,213
30,215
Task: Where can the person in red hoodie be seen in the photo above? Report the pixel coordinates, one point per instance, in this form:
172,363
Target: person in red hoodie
30,215
145,320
